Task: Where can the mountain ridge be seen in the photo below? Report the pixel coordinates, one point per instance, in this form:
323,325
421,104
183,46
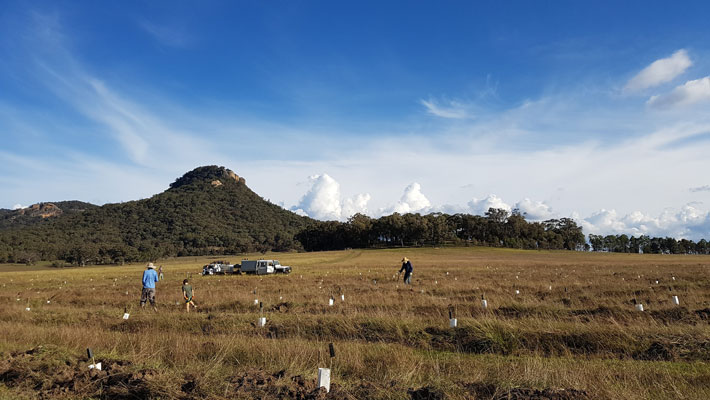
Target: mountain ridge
36,212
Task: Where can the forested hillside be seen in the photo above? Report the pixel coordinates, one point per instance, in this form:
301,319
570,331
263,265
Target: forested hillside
209,210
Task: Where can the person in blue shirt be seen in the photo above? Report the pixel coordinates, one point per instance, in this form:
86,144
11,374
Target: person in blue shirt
407,268
150,277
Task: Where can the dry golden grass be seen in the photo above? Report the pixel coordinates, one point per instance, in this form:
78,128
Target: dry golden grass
581,334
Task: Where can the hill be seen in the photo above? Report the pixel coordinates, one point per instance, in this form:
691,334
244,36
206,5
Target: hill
37,212
209,210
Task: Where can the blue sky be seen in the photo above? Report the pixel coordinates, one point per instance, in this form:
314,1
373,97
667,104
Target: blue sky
599,112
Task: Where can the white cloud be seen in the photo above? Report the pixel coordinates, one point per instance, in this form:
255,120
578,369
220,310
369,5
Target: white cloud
300,212
480,206
412,201
18,207
687,222
357,204
606,221
453,110
323,201
660,71
691,92
534,210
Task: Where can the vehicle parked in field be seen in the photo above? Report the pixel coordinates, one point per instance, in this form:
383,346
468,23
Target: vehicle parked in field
218,268
281,269
264,267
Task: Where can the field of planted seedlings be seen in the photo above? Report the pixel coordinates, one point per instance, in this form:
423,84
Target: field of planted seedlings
558,325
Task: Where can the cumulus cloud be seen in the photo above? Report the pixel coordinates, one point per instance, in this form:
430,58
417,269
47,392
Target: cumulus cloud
299,211
660,71
354,205
687,222
603,221
452,110
534,210
412,201
480,206
691,92
18,207
323,201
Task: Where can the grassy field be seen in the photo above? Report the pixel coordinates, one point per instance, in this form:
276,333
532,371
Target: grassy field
571,332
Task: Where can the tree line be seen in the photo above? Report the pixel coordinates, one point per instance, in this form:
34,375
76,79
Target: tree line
497,228
645,244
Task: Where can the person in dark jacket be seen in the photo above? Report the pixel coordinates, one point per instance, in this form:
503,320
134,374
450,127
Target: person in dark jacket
407,268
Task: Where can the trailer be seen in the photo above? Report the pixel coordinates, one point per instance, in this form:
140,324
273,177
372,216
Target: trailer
218,268
264,267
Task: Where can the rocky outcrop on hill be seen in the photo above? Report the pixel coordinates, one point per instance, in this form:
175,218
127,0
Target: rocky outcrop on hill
43,210
213,174
40,212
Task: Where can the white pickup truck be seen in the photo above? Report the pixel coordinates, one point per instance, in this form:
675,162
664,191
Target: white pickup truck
263,267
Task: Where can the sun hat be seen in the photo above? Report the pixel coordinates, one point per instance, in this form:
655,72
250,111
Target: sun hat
151,266
405,259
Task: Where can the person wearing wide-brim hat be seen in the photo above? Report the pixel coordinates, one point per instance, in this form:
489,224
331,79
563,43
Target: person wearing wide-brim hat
150,277
407,268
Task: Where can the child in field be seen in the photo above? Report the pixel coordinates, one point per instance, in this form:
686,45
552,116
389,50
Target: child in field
160,273
187,293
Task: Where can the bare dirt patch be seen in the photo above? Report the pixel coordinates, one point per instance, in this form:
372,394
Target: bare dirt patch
42,370
488,391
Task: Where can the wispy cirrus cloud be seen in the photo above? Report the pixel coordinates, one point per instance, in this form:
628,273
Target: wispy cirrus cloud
145,134
660,71
451,109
